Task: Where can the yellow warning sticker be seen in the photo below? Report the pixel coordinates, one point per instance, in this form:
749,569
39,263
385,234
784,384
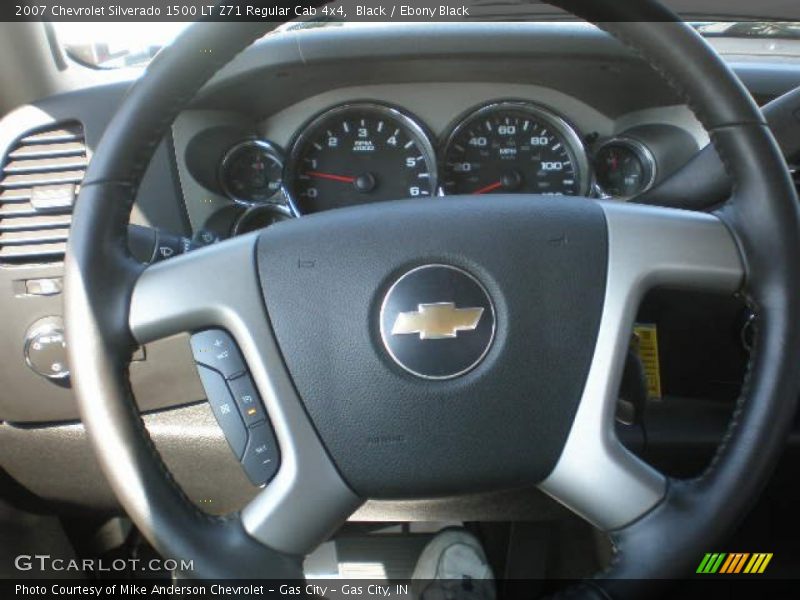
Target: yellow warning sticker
646,335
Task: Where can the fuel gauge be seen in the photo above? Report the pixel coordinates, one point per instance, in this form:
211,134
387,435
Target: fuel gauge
252,172
624,167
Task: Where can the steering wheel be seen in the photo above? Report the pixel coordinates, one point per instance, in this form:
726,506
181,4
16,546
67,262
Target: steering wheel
513,383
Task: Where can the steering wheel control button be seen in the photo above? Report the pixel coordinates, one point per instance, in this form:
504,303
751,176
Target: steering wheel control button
224,409
46,349
437,322
261,458
247,400
216,349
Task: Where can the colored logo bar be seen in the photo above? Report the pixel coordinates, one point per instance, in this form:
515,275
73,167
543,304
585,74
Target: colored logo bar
734,563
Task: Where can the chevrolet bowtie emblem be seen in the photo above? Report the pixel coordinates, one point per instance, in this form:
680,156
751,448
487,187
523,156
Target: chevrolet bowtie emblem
437,321
470,311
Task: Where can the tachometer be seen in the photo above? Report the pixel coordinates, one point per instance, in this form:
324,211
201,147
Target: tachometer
359,153
514,147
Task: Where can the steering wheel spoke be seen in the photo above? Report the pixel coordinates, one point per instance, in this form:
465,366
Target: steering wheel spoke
218,287
596,476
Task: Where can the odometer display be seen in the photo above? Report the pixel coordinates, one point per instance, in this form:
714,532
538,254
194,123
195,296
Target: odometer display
360,153
514,147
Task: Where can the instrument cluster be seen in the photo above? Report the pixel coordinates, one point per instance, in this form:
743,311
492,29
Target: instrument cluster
364,152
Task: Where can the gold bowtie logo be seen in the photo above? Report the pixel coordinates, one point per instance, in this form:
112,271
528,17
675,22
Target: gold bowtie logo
437,321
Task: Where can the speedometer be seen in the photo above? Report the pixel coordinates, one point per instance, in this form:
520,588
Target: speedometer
360,153
514,147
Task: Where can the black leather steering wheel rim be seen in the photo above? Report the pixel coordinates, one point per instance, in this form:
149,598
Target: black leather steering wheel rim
762,216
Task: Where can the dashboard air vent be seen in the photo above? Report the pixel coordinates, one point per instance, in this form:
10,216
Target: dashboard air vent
39,182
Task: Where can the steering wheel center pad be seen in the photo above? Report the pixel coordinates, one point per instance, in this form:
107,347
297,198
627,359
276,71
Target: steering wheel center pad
541,260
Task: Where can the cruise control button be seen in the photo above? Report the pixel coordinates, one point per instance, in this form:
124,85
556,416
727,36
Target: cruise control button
261,457
216,349
224,408
246,397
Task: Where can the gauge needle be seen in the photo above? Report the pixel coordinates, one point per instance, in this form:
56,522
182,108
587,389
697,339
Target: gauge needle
331,176
489,188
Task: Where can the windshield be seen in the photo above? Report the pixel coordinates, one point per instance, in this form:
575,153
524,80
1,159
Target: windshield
117,45
757,29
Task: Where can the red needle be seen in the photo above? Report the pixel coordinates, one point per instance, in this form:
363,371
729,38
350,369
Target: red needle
331,176
489,188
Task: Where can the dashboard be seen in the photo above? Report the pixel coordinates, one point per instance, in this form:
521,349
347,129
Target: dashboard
383,142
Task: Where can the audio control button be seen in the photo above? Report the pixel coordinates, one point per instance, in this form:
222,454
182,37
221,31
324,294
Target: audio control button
224,409
261,457
215,348
247,400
